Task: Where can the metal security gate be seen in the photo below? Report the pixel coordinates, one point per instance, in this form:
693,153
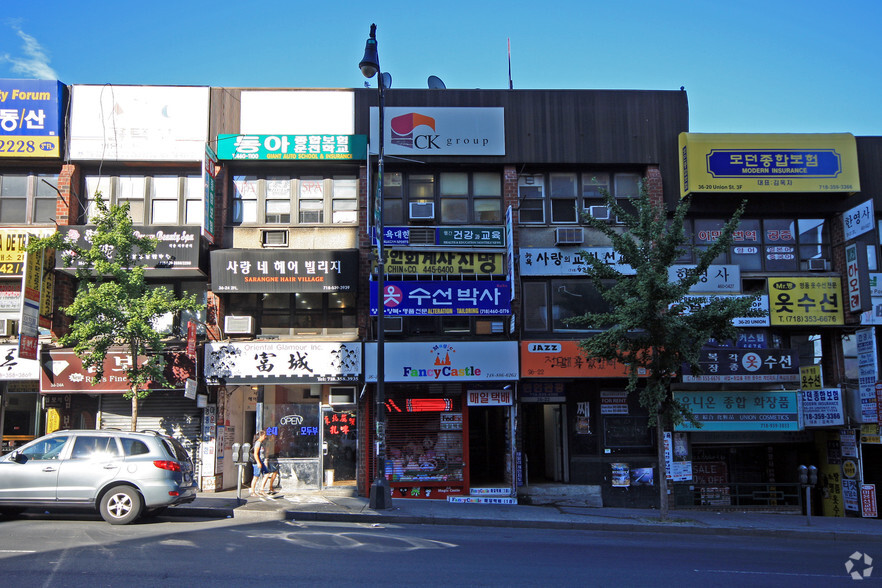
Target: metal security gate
166,412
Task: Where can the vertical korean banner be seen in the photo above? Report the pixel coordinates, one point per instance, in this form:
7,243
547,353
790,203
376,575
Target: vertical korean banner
29,332
209,175
47,291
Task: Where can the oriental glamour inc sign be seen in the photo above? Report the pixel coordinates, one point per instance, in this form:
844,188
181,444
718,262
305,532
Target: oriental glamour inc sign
440,131
444,362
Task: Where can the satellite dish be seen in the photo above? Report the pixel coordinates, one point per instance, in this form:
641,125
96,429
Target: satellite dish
387,79
435,83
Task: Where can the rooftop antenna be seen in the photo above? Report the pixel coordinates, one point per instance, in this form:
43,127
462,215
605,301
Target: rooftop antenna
510,83
435,83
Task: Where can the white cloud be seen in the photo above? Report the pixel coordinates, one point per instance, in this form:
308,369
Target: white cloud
34,63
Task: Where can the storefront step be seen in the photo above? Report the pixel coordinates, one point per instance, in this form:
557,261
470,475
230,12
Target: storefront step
561,495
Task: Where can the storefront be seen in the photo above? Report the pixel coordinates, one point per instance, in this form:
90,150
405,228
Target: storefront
73,401
302,393
747,451
20,408
579,426
449,415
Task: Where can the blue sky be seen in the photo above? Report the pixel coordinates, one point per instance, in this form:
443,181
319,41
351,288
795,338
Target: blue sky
748,66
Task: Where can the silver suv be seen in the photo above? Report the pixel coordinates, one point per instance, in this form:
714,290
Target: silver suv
120,474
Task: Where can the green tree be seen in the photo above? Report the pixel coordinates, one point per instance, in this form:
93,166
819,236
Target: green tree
113,305
650,326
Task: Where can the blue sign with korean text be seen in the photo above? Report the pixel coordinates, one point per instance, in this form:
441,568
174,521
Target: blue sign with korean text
448,298
774,410
781,163
30,118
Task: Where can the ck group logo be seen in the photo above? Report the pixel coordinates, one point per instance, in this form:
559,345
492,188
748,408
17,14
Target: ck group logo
443,130
403,127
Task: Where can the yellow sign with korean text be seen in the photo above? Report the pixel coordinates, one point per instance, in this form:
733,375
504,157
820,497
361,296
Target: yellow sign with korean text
400,261
810,377
785,163
797,302
12,249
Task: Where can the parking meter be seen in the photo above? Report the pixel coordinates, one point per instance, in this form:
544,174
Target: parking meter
241,457
808,477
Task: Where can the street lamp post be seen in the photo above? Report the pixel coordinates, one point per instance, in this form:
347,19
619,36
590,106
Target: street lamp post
381,492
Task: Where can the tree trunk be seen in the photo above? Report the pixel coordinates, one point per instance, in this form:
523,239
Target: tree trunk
662,466
134,408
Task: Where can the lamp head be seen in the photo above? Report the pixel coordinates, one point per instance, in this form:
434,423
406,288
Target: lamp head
370,63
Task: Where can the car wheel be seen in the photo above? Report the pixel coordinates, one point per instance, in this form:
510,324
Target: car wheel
121,505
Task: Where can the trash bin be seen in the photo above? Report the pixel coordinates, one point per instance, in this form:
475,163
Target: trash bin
329,477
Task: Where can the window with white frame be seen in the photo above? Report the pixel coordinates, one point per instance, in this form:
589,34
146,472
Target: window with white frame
27,198
153,200
286,200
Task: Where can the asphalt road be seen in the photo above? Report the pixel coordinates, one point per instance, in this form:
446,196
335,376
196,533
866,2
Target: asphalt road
82,550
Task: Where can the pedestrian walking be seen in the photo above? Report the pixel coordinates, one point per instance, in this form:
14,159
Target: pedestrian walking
258,464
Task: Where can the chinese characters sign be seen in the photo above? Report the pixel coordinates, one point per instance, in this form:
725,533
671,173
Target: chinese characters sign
805,301
291,147
247,363
736,163
443,298
443,262
248,271
719,364
31,118
741,411
565,359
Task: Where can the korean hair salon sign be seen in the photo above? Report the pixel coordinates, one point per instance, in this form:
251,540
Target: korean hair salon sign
254,271
738,163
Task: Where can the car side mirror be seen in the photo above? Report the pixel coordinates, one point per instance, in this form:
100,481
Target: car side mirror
18,457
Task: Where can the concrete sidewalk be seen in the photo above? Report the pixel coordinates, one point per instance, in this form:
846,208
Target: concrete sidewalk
339,505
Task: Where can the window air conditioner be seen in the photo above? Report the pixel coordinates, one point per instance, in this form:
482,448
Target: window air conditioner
239,325
341,395
393,324
422,210
569,236
274,238
599,212
817,265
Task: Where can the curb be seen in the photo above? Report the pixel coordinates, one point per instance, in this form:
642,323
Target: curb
335,517
259,515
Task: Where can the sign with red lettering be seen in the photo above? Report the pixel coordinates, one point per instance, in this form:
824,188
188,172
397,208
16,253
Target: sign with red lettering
868,501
